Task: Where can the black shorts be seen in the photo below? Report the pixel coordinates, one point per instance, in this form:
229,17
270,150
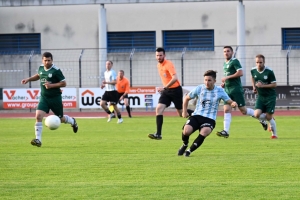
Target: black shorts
170,95
198,122
120,94
111,96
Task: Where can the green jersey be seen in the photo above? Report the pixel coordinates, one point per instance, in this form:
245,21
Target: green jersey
51,75
231,67
267,76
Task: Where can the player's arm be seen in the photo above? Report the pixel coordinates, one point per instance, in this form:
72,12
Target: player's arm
55,85
172,81
32,78
237,74
185,104
271,85
253,85
233,104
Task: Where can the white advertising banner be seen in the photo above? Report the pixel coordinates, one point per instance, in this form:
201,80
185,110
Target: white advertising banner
29,98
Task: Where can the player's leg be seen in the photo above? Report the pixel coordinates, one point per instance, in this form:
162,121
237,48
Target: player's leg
206,127
226,123
103,104
260,113
185,135
114,99
56,106
270,109
40,113
126,102
163,102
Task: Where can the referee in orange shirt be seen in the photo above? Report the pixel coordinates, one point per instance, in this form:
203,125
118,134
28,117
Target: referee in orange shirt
170,92
123,90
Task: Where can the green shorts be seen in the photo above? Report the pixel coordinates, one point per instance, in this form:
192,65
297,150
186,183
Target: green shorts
55,104
266,105
238,97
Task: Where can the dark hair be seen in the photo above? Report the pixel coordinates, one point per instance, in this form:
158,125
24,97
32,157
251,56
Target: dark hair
228,47
160,49
47,55
211,73
261,56
111,62
122,71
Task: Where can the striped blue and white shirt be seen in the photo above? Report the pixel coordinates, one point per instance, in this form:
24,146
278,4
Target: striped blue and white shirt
110,76
208,100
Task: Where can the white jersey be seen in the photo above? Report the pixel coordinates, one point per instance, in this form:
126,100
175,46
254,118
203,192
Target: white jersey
208,100
110,76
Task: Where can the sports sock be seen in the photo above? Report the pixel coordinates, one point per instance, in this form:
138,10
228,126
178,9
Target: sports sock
185,139
107,111
262,116
38,130
250,112
128,110
227,121
159,123
119,115
69,120
273,127
197,143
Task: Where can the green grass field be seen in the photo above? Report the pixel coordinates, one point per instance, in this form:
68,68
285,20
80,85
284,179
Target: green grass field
118,161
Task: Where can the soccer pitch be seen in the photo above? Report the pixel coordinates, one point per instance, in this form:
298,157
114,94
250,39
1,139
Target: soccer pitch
118,161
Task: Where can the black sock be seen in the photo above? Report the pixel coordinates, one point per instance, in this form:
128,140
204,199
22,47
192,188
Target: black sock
107,111
159,123
128,110
119,115
185,139
189,111
197,143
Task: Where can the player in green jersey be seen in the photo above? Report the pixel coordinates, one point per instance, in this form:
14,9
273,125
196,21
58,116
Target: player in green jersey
264,84
231,82
51,80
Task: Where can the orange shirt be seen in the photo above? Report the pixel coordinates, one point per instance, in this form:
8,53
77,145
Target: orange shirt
122,85
166,71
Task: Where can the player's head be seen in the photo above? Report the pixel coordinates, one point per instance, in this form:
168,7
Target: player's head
121,74
260,61
47,59
160,54
210,79
109,64
228,52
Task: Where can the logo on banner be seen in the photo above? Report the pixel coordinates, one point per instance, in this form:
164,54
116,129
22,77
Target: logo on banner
11,95
34,94
88,99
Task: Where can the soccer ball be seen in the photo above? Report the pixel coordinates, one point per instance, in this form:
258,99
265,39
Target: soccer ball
52,122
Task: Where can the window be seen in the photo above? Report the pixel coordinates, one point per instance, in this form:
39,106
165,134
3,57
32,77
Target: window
20,43
125,41
290,37
194,40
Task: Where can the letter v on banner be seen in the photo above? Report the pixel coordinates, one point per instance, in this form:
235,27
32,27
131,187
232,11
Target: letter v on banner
12,93
34,94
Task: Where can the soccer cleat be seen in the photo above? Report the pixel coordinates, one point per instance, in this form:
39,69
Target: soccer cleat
182,150
187,153
223,134
264,124
36,142
155,136
120,121
109,117
274,137
75,126
113,115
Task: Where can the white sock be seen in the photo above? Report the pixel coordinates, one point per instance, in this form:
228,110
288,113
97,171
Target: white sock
69,120
227,121
38,130
273,127
262,116
250,112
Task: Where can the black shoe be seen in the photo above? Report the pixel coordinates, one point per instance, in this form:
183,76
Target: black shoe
155,136
264,124
222,134
182,149
36,142
187,153
75,126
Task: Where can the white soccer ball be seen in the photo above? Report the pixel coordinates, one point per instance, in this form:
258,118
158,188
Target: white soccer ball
52,122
